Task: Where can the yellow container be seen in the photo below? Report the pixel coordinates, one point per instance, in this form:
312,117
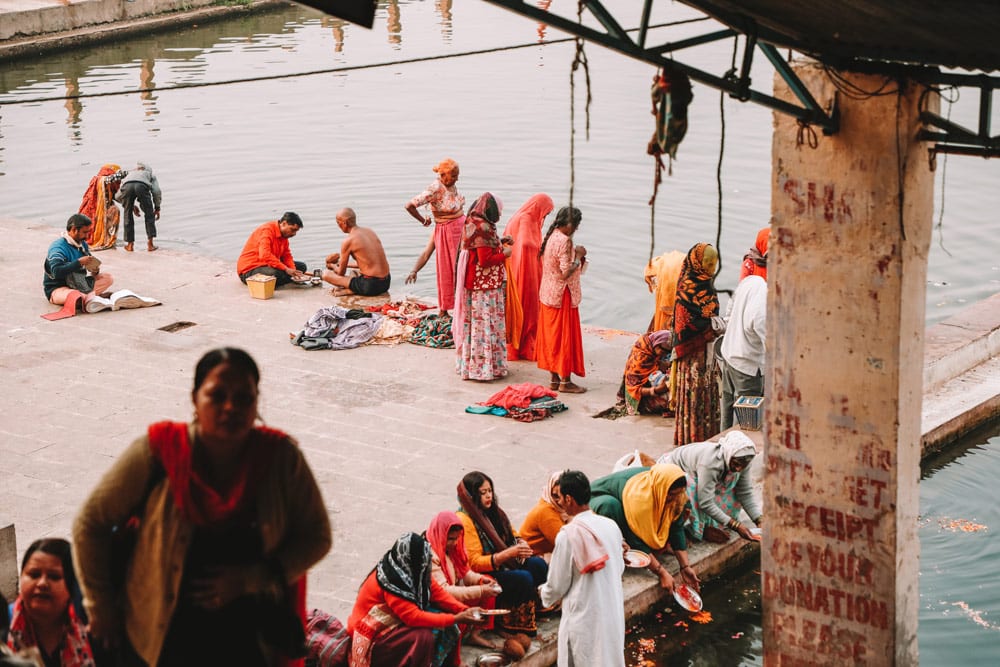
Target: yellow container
261,286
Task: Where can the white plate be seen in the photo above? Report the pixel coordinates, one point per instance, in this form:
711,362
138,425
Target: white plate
637,559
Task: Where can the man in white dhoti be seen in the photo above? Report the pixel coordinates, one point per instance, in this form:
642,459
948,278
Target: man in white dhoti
586,574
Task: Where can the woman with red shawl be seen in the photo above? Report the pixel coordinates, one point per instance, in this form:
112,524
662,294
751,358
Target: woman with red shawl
450,568
231,520
99,205
478,326
44,616
524,274
694,387
447,207
755,261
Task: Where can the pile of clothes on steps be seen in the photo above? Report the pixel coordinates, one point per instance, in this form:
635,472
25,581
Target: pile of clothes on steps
525,402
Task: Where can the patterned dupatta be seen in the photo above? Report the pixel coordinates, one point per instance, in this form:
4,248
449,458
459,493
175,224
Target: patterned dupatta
481,224
74,651
404,571
697,301
493,529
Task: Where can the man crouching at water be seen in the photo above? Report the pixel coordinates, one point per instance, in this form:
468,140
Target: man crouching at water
364,247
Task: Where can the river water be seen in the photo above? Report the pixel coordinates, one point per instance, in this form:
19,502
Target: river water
230,157
959,595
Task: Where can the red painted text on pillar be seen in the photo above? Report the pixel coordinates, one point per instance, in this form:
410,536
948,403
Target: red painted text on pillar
819,201
826,521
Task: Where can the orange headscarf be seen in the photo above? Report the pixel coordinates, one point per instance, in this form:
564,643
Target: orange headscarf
446,166
755,261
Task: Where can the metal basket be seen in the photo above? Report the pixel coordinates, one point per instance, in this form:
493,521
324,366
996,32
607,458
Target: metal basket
749,412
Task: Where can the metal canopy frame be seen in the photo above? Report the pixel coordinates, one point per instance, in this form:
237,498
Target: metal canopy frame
949,137
737,85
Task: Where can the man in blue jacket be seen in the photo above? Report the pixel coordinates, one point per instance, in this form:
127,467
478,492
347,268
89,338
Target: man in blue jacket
69,265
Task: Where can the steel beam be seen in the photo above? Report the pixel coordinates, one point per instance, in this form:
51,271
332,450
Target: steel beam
617,39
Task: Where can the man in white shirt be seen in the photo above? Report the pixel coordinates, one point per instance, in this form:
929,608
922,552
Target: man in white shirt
743,347
586,574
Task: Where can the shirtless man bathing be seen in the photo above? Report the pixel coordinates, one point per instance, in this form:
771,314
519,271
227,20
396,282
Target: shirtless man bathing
362,246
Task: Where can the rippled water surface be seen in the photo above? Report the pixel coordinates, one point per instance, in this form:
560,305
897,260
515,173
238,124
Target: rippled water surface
232,156
959,593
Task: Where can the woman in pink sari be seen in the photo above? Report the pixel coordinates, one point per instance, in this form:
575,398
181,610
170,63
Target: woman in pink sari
447,207
524,275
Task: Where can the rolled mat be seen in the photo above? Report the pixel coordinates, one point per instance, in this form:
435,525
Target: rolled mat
68,309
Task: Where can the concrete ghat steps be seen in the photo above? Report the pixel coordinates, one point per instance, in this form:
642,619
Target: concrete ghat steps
382,428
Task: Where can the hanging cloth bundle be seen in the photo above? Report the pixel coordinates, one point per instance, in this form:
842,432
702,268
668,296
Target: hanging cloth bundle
671,94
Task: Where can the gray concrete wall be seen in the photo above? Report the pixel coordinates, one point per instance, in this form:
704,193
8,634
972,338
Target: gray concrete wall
25,18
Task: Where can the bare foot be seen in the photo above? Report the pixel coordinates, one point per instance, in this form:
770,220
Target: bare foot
477,639
150,247
128,247
570,388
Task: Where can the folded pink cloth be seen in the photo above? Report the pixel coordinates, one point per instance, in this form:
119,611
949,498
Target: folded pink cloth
518,395
589,555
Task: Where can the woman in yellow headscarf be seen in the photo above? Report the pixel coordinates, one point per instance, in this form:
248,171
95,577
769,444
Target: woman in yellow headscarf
661,277
694,377
650,505
99,205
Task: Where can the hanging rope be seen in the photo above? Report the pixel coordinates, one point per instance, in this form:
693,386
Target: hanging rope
806,135
900,162
579,60
944,163
671,94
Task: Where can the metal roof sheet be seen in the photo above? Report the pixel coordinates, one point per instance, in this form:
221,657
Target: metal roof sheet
960,33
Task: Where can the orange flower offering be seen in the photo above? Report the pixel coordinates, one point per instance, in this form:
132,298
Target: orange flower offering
961,525
702,617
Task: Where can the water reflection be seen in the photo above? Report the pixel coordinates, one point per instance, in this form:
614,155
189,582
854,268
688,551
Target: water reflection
394,23
147,75
444,9
542,27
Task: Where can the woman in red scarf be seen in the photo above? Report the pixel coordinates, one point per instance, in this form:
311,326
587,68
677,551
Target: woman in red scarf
44,616
524,275
694,387
450,568
755,261
478,327
231,520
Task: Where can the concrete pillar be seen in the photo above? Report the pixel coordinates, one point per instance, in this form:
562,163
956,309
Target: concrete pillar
847,267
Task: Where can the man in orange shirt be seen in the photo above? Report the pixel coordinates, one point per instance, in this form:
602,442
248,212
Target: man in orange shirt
267,251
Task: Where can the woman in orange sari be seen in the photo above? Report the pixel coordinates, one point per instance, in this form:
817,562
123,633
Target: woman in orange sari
524,274
99,205
694,387
560,340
